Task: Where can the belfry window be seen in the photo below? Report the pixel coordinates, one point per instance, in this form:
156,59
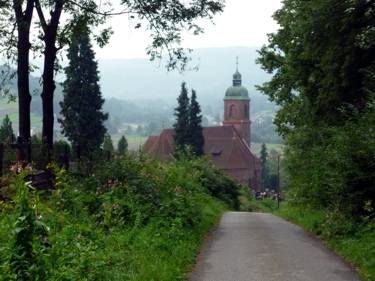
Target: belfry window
232,111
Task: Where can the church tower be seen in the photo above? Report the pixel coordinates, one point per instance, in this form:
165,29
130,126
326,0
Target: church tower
237,108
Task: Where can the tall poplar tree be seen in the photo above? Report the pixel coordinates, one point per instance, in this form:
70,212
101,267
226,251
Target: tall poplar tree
81,108
196,138
181,127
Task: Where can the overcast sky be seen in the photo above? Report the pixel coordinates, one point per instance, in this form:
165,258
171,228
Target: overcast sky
243,23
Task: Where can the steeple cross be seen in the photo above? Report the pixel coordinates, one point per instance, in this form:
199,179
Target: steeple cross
237,63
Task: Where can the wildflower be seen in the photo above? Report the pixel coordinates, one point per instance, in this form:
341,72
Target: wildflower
327,216
19,169
79,236
12,168
323,224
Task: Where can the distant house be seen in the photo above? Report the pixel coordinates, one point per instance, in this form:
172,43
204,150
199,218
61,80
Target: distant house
228,146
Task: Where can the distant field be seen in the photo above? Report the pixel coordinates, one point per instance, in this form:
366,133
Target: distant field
134,141
11,109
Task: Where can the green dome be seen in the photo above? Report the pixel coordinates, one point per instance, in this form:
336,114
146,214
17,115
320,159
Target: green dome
237,91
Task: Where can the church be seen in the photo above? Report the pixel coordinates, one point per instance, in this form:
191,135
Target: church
228,146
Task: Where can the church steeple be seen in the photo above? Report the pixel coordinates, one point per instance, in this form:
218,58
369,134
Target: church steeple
237,107
237,76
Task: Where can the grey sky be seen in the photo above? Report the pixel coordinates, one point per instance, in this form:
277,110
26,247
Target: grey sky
243,23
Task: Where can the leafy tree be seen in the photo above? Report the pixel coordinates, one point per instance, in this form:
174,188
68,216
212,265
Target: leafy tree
108,143
265,177
166,20
122,145
318,60
181,126
196,138
6,130
82,105
323,64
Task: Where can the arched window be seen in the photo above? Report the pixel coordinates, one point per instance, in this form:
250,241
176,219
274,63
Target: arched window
232,111
245,111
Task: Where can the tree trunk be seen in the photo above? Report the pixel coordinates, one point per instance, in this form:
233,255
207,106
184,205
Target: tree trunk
48,90
23,47
50,34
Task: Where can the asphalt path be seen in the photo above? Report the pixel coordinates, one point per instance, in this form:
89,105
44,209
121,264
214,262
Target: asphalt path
257,246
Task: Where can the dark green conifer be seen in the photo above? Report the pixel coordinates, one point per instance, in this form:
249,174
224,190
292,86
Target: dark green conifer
6,130
181,127
196,138
108,143
122,145
81,108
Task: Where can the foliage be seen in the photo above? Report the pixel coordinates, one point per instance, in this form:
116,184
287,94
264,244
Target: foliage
166,21
181,126
6,130
122,145
81,108
129,218
195,126
322,61
188,126
29,233
108,143
318,61
265,182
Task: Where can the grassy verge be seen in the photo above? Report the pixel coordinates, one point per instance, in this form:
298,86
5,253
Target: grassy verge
355,242
133,218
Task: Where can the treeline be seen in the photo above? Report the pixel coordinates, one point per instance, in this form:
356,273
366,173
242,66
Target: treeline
323,65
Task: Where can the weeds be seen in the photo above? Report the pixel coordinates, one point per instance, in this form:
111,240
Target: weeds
132,218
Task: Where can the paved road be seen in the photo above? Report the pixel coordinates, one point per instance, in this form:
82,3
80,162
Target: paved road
256,246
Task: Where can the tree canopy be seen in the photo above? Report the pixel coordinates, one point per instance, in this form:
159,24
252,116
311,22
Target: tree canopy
165,19
322,60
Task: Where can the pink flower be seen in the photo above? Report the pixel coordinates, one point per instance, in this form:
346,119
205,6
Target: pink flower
12,168
79,236
19,169
327,216
323,224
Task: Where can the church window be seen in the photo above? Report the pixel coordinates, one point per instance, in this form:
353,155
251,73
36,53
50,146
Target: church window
232,111
245,111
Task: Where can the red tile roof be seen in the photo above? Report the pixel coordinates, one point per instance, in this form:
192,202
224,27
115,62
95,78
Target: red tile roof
222,145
